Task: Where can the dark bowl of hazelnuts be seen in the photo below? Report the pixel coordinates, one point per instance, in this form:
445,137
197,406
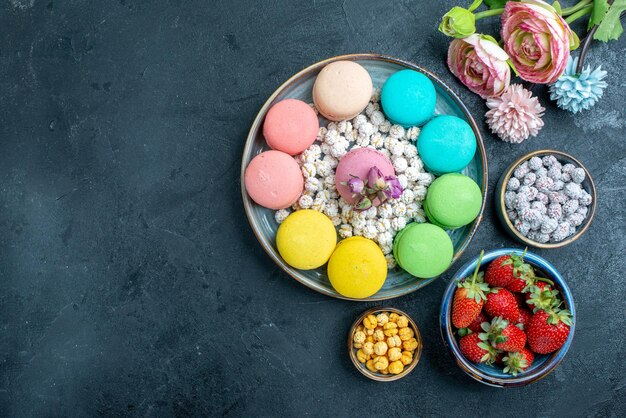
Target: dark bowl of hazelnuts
546,199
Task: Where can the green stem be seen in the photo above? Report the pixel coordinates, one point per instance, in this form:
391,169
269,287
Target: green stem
478,265
569,10
487,13
579,14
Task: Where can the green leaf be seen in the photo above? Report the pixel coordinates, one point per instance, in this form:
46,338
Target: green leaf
600,7
495,4
611,28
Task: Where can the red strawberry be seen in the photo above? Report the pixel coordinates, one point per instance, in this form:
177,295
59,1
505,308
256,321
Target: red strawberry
520,283
504,269
524,318
476,350
469,298
475,326
518,362
503,335
501,302
548,331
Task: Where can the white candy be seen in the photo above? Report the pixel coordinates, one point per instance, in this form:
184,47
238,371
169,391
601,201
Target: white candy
281,215
305,201
377,117
396,131
410,151
312,184
412,133
345,231
400,164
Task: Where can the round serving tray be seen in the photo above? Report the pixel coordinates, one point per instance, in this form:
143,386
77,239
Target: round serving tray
380,67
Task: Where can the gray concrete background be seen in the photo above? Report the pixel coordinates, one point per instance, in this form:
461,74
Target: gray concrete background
131,281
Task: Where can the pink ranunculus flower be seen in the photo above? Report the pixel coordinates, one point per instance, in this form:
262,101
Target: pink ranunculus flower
537,39
480,64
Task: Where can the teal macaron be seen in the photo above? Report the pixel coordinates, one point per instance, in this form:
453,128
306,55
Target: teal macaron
422,249
446,144
452,201
408,98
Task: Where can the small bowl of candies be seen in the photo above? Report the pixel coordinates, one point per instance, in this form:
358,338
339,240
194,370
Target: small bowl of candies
508,318
546,199
384,344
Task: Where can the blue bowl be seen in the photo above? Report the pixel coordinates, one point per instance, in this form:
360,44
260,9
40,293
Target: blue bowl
493,375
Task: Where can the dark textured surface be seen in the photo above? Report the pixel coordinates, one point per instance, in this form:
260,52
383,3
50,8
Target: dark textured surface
132,283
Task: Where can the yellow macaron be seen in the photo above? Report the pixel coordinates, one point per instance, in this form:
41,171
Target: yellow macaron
306,239
357,268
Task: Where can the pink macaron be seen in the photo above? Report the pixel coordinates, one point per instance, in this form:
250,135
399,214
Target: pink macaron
357,163
290,126
273,179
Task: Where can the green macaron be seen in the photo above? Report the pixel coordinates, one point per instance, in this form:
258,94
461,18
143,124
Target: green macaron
423,250
453,200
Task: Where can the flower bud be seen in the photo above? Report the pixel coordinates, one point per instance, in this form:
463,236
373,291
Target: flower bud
458,23
394,188
375,179
355,185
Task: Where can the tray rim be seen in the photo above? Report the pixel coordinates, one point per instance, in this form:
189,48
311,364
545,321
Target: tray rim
353,57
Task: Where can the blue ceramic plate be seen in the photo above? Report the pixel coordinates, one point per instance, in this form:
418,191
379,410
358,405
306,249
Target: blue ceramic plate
300,86
493,375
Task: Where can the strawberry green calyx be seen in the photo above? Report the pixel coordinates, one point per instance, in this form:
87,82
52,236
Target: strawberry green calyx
476,287
520,268
491,355
531,283
515,363
560,315
493,331
545,300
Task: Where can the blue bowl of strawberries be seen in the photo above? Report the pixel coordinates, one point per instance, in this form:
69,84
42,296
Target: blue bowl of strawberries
508,317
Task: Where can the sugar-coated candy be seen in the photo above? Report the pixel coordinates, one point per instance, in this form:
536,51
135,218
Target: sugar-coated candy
549,225
573,190
513,183
555,211
549,161
570,207
578,175
535,163
521,171
529,179
557,185
544,184
539,206
575,219
521,226
543,198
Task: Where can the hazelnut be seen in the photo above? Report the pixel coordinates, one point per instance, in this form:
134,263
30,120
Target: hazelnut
394,354
357,345
402,321
369,332
396,367
391,329
410,344
391,342
385,371
379,335
405,333
368,348
370,322
381,362
382,319
359,337
407,358
380,348
393,317
361,356
370,365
